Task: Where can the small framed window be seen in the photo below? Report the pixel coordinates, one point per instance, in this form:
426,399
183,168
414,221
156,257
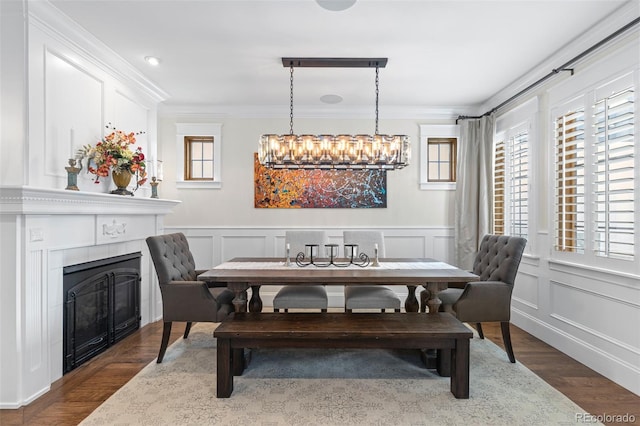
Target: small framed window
438,156
441,159
198,155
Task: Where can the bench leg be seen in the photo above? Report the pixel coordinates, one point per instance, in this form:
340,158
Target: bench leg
443,362
460,369
225,376
239,362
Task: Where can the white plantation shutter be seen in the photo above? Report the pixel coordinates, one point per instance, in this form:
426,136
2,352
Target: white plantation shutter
511,183
518,172
569,182
613,175
499,188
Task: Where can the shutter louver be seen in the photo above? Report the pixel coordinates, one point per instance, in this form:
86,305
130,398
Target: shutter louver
518,171
499,188
570,184
613,176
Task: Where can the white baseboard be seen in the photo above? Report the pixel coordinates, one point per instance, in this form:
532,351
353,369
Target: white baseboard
627,376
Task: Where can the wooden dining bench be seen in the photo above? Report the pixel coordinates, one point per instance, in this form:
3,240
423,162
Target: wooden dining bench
340,330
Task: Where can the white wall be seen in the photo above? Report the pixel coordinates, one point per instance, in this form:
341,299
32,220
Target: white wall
76,87
233,204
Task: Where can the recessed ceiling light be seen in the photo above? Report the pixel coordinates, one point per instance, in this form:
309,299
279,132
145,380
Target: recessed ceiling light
336,5
152,60
331,99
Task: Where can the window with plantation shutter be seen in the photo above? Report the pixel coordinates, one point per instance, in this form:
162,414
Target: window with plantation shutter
569,212
511,183
613,175
498,188
518,171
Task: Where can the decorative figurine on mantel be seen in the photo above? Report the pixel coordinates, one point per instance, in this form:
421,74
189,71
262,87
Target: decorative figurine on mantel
154,187
72,174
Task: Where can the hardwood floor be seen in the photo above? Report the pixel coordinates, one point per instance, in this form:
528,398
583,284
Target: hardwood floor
78,393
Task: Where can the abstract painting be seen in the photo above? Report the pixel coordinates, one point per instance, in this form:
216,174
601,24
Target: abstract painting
315,188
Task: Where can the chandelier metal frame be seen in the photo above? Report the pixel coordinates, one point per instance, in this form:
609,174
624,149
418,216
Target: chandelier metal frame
324,151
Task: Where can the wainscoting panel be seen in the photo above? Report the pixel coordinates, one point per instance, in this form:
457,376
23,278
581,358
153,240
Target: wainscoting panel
242,246
588,312
443,247
202,249
593,314
525,291
405,246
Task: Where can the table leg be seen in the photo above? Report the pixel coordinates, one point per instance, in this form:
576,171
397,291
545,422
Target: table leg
240,299
411,304
255,304
432,300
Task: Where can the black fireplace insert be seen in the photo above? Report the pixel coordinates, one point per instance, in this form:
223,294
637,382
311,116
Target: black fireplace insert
102,306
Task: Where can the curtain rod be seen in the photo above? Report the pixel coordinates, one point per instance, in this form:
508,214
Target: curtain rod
563,67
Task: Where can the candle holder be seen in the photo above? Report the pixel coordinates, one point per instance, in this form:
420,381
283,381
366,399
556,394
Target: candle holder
154,187
72,175
375,259
287,260
361,260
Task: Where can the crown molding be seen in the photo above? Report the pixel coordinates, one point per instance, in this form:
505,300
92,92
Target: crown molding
56,24
30,200
305,112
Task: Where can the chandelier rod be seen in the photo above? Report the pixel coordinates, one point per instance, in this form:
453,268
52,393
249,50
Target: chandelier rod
377,95
291,100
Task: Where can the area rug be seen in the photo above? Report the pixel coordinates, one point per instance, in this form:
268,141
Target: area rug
331,387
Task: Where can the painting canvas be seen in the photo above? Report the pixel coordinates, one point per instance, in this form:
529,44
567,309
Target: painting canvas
299,188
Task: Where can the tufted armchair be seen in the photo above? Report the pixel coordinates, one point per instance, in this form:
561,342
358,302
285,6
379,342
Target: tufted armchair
489,300
184,298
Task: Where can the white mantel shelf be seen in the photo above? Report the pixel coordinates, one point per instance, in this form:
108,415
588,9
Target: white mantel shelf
34,201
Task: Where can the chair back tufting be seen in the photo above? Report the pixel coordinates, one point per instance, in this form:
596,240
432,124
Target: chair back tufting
498,258
172,258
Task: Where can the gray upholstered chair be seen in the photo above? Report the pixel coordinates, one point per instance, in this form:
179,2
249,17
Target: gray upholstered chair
369,296
489,300
302,296
184,298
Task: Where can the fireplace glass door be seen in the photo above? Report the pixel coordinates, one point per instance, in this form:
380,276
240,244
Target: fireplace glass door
102,306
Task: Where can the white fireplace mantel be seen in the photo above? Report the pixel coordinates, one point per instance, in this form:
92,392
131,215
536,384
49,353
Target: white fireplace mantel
28,200
43,230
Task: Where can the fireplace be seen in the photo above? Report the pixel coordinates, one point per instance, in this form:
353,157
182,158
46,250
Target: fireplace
101,306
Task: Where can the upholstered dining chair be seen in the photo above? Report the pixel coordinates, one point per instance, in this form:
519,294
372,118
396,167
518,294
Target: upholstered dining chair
368,296
302,296
489,300
184,298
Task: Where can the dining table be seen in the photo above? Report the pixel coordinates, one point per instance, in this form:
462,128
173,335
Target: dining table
241,273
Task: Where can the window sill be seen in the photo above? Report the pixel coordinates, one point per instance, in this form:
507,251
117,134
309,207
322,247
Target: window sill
183,184
438,186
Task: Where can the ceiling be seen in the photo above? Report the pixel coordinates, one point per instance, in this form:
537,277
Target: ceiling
227,53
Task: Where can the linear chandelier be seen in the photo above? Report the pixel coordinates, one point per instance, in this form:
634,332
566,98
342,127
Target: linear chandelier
334,151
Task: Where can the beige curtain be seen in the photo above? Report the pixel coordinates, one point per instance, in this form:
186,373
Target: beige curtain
474,188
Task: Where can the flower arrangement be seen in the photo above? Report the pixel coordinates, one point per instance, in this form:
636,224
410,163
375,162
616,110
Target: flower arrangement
113,153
